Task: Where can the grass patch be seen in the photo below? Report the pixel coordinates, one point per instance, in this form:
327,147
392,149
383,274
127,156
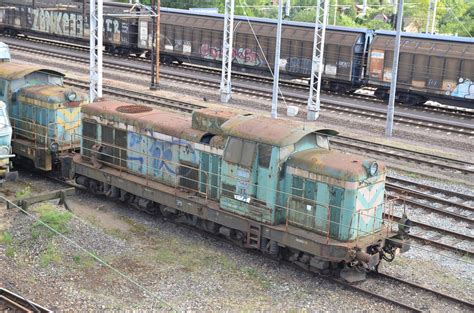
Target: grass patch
50,255
7,239
255,275
83,260
135,227
189,257
24,193
117,233
53,218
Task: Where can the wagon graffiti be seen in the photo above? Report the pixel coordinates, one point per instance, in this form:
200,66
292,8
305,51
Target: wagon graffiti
244,56
112,26
464,89
299,65
54,22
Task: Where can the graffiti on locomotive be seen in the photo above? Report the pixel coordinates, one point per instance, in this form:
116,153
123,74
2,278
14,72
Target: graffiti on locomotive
55,22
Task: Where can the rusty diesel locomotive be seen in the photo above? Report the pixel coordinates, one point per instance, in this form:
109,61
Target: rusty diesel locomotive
431,67
270,185
44,114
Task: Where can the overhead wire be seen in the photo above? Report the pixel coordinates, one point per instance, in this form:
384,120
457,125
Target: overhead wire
92,255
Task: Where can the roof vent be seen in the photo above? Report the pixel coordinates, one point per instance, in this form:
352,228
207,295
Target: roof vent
132,109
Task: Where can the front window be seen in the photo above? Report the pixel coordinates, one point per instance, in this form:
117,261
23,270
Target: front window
322,141
241,152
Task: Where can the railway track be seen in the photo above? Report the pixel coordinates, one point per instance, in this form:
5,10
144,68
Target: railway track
139,97
293,84
338,106
421,298
395,153
452,204
11,302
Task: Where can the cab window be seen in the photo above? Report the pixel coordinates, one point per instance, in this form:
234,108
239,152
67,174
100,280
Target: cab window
241,152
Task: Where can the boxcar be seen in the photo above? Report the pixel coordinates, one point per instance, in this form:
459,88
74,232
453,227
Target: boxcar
197,38
68,21
430,68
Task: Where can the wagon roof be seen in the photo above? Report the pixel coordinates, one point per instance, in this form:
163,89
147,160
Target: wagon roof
13,70
426,36
277,132
263,20
146,118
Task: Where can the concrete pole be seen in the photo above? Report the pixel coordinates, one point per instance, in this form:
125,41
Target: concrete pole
287,8
335,14
276,71
364,7
393,84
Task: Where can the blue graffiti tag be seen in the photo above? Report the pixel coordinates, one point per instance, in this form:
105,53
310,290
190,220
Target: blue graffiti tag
140,161
162,153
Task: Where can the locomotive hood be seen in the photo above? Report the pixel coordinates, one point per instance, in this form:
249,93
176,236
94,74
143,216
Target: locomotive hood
51,96
335,165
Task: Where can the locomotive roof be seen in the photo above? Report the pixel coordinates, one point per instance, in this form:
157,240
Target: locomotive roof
347,167
51,96
427,36
264,20
276,132
14,70
165,122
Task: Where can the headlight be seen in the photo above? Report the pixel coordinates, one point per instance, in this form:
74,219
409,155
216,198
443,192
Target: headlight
71,95
4,150
54,146
373,169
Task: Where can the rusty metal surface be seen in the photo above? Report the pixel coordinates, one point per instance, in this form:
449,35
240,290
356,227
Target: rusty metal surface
133,108
168,123
211,119
48,94
333,164
277,132
14,70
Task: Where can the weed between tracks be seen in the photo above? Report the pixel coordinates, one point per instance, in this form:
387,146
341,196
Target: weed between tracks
7,239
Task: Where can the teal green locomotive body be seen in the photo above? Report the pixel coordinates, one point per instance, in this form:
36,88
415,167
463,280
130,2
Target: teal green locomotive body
45,115
273,185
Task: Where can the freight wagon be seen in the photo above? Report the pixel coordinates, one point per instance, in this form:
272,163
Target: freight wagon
435,68
439,68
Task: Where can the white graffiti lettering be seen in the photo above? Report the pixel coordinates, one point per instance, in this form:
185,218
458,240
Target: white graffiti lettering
61,23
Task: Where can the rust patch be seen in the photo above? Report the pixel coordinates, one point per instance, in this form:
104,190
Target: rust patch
133,109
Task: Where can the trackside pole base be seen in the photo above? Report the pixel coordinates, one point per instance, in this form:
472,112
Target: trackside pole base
225,97
313,114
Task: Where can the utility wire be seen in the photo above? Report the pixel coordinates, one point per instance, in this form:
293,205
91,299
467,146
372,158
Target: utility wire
72,242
